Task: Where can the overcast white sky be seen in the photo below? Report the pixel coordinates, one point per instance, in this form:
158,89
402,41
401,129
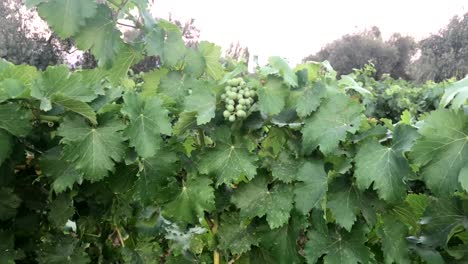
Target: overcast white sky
296,28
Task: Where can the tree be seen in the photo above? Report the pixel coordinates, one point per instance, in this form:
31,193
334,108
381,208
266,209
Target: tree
355,50
445,54
20,42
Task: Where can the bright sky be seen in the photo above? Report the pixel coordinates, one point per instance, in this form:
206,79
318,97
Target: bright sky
296,28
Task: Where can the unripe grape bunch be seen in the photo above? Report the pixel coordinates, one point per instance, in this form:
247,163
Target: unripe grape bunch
237,98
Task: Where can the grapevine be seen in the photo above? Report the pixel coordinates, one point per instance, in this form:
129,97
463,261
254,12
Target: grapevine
107,166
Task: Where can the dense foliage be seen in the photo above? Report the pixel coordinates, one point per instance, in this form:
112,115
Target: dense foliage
103,166
354,51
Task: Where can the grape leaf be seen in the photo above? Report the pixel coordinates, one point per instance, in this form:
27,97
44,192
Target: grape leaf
15,120
93,150
194,63
336,117
212,54
282,242
128,56
284,70
456,95
202,101
57,80
442,151
145,252
338,246
256,199
174,49
9,202
152,80
155,183
228,161
148,120
441,220
63,173
173,86
411,211
234,235
312,187
187,120
394,246
343,200
11,89
386,167
100,36
76,106
272,96
62,249
6,142
310,98
285,167
66,17
61,209
195,197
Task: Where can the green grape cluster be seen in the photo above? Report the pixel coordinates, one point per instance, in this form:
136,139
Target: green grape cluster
238,99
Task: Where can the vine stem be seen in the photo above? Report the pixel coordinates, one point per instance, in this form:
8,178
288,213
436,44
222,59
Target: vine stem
119,235
50,118
201,137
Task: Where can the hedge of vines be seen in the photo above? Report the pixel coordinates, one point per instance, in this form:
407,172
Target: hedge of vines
195,162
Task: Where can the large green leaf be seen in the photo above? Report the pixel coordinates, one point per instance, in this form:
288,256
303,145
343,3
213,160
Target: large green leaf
195,197
234,235
343,200
272,96
285,167
394,246
309,99
62,249
282,242
312,187
456,95
228,161
15,120
58,81
92,150
257,199
76,106
336,117
100,36
202,101
148,120
66,17
63,173
212,55
61,210
338,246
173,85
156,182
442,151
284,70
386,167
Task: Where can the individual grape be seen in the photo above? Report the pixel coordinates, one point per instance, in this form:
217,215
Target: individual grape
232,118
239,96
231,102
227,89
239,107
230,108
234,89
241,92
241,113
233,95
223,96
226,113
242,101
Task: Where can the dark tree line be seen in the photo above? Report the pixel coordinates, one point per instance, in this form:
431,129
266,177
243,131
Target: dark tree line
442,55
